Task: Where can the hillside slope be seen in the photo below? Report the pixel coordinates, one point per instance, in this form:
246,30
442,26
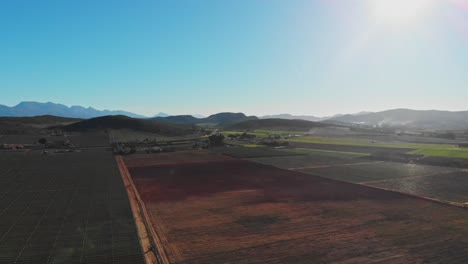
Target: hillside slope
216,119
275,124
31,125
423,119
124,122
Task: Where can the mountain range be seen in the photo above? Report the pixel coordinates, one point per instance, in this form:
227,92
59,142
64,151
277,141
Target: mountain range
25,109
414,119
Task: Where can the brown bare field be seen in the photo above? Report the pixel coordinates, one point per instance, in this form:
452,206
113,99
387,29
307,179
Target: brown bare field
236,211
156,159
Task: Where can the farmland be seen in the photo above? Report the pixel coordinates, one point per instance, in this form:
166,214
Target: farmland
254,200
344,144
446,184
67,208
252,152
209,208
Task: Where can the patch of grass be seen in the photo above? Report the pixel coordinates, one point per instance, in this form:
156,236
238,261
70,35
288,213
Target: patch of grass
252,146
263,131
330,153
365,143
453,152
437,150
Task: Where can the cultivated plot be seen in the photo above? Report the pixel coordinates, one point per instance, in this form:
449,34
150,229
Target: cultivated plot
253,152
64,208
89,139
376,171
26,139
173,158
236,211
309,161
350,148
444,186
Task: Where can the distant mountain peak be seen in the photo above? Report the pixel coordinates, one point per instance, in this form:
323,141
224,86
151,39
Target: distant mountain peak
31,108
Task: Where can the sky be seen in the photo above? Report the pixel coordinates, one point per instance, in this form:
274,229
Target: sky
311,57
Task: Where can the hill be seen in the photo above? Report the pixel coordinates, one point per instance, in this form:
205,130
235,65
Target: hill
25,109
420,119
182,119
216,119
275,124
292,117
125,122
31,125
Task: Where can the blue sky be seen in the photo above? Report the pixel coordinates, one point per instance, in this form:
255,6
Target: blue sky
316,57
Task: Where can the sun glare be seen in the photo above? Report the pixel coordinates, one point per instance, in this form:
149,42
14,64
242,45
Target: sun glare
400,12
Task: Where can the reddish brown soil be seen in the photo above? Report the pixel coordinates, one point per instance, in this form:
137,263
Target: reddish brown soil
158,159
235,211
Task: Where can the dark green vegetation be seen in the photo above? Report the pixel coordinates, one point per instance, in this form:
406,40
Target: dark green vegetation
67,208
124,122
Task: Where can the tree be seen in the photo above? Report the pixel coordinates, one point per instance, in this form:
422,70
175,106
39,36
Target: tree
216,140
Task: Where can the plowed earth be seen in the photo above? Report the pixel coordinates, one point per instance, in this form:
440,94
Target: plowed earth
222,210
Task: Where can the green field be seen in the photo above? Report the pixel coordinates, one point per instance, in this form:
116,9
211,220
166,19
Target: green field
437,150
328,153
453,152
260,133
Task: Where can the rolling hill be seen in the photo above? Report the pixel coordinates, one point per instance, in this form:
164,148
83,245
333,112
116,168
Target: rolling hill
420,119
31,125
216,119
292,117
275,124
125,122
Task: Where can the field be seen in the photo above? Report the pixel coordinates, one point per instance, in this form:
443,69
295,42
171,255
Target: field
307,161
225,210
64,208
131,136
349,148
447,184
444,186
26,139
345,144
376,171
253,152
88,139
